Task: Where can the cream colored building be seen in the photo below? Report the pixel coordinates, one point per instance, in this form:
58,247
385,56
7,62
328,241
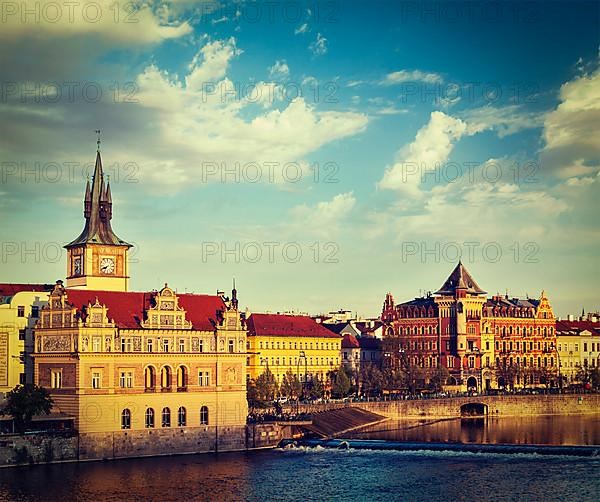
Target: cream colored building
578,346
140,372
20,305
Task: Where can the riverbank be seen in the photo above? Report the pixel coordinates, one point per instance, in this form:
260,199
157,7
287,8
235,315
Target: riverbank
455,407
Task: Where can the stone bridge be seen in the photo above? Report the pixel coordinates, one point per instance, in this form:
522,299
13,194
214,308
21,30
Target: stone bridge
511,405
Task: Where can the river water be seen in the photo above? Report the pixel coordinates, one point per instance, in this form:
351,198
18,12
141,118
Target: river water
327,474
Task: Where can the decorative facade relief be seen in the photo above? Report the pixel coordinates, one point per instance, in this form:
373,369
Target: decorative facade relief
165,312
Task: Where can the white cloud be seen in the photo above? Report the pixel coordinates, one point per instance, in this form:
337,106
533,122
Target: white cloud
319,46
401,76
504,121
303,28
279,71
431,147
211,62
572,141
113,25
194,124
325,217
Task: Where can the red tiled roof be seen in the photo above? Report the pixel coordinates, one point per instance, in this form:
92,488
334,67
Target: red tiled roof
7,289
578,326
127,309
286,325
350,342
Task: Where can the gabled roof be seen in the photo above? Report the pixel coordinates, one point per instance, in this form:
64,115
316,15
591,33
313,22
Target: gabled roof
350,342
576,327
460,279
365,327
502,301
286,325
335,327
127,309
97,212
11,289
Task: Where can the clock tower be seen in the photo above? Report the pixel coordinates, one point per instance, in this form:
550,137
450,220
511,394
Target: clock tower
97,259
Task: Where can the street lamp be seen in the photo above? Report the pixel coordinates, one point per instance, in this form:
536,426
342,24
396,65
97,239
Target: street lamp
301,356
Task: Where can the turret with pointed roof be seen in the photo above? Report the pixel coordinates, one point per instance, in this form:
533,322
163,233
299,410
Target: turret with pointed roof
97,210
460,279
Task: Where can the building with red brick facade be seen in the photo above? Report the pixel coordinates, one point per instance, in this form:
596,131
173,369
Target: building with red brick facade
472,341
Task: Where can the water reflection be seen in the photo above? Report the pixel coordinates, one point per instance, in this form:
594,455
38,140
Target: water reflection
549,430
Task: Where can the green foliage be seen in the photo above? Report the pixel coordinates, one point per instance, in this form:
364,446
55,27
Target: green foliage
315,389
372,381
25,401
262,391
290,386
341,383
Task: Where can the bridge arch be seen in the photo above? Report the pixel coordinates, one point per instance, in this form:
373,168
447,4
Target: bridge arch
473,410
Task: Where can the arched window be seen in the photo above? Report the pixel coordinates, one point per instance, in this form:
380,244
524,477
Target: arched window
166,417
181,417
165,379
182,378
149,418
204,415
126,419
150,378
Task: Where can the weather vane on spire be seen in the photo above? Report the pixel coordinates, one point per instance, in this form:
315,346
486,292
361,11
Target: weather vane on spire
98,140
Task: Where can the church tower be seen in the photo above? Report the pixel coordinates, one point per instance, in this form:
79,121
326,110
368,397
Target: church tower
97,259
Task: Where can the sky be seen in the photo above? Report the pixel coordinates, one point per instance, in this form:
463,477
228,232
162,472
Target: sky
321,153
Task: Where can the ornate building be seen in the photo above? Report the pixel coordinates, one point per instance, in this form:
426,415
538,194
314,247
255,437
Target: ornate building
474,341
144,372
297,344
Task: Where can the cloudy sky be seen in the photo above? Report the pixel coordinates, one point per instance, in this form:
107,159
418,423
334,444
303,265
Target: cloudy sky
321,153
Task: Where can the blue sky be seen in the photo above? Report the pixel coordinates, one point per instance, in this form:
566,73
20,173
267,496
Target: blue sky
417,114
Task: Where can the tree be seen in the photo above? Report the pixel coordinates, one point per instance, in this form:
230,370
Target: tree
25,401
438,377
341,383
290,386
371,379
315,389
262,391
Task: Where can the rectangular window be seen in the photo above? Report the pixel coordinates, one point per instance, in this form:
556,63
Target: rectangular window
181,345
126,379
21,311
150,345
96,379
585,346
231,344
35,311
56,379
165,345
203,379
96,344
125,344
201,345
22,379
21,334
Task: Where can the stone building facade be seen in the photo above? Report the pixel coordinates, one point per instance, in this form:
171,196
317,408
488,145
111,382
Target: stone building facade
476,342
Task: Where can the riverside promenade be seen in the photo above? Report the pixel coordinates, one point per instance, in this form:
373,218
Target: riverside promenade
454,407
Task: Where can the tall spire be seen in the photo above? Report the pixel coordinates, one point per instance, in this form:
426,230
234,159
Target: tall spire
98,210
234,298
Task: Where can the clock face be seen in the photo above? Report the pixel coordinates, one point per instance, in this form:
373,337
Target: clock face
77,266
107,265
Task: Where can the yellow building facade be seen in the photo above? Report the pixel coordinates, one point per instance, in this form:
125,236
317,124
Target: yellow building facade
139,372
20,305
288,343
